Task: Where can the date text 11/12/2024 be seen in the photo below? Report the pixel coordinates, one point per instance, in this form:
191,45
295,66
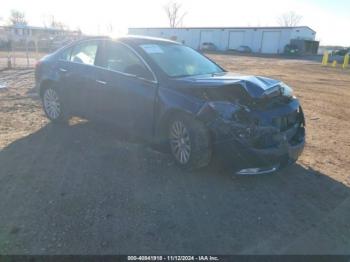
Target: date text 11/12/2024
173,258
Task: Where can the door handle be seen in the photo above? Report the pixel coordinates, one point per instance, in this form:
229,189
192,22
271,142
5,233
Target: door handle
63,70
101,82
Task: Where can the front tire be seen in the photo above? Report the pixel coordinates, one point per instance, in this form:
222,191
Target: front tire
53,106
189,142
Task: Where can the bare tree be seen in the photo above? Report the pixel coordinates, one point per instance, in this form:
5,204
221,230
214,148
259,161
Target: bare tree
78,30
110,28
57,24
174,14
289,19
44,20
17,18
50,21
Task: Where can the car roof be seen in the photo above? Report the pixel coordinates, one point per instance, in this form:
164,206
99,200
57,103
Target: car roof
134,39
130,39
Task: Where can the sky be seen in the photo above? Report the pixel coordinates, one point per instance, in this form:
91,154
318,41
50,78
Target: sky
329,18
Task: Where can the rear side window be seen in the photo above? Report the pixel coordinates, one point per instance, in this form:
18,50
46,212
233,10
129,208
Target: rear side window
84,53
65,54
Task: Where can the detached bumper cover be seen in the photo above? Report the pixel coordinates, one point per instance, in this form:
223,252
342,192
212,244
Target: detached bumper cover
257,170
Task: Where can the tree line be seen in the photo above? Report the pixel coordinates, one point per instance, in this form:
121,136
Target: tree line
174,12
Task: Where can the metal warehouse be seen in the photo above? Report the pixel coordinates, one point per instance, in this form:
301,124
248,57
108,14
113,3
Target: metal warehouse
266,40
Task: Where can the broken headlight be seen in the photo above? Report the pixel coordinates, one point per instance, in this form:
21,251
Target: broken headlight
286,90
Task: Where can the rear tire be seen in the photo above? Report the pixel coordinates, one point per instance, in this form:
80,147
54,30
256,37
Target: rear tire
190,142
53,107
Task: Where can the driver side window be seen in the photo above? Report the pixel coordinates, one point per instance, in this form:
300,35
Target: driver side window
120,58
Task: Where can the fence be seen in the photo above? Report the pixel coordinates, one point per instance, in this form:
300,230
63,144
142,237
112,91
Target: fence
19,56
18,59
24,52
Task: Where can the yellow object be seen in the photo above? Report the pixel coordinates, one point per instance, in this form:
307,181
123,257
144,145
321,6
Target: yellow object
346,61
325,58
334,64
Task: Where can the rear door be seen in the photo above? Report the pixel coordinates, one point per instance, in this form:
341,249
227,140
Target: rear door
127,89
78,77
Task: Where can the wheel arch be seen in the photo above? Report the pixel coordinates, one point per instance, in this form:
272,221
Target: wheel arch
163,123
171,103
46,84
199,132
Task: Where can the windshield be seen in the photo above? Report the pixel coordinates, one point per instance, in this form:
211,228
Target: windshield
178,60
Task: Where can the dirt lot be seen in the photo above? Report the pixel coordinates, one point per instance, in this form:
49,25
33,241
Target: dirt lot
84,189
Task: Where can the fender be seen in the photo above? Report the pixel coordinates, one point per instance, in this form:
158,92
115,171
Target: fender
170,102
46,76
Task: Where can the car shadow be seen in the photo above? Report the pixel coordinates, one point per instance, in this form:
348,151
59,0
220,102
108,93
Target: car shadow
88,189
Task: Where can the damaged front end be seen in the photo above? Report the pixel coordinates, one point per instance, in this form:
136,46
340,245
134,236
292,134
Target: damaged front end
264,134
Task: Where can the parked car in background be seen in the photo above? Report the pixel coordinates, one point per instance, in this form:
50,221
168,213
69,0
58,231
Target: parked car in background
208,46
339,55
167,93
243,49
291,49
341,52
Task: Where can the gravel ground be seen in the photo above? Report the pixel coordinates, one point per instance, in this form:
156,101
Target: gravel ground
87,189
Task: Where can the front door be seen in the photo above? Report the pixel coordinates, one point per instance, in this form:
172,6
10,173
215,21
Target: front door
127,89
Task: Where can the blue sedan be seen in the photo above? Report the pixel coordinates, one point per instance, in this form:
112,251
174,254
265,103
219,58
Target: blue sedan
169,94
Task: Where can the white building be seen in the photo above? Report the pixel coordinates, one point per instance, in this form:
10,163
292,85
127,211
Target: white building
23,36
266,40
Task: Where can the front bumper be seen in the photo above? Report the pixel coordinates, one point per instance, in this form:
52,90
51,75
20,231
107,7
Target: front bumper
247,160
260,149
259,141
272,159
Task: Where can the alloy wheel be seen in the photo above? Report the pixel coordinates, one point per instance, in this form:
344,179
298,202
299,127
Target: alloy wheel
52,104
180,142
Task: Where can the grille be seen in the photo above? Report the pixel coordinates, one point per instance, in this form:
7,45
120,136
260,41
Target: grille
283,123
270,103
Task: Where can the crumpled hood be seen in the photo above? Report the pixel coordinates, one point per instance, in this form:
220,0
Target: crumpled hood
254,86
